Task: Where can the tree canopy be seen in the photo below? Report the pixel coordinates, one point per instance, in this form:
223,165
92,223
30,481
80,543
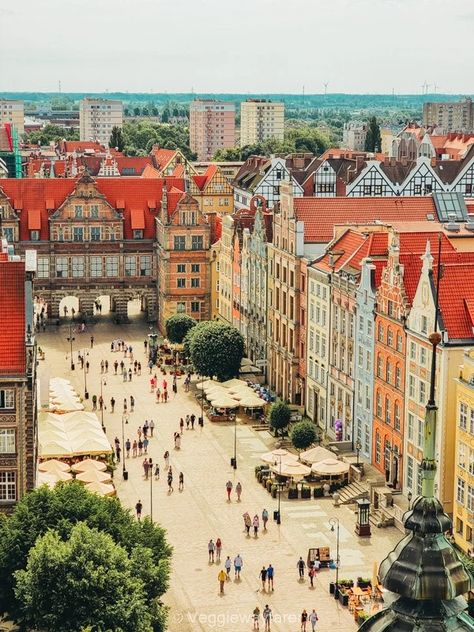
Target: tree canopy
216,349
139,137
280,415
85,580
51,133
303,434
373,140
116,139
60,509
177,326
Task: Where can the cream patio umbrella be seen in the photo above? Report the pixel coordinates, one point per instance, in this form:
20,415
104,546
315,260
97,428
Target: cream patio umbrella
215,389
234,382
103,489
53,465
89,464
330,467
246,362
238,392
314,455
224,401
93,476
274,456
252,401
59,475
293,469
205,384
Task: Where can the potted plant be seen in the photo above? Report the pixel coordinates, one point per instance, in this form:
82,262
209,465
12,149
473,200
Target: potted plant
269,483
274,490
305,491
258,468
259,475
343,596
363,582
318,492
292,492
362,616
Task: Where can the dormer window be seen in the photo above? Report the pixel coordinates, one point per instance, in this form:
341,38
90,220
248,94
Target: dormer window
94,211
78,211
138,234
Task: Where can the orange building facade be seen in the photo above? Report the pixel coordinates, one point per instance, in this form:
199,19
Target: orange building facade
392,308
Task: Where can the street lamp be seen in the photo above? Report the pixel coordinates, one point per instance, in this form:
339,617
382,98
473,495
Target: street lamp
85,355
70,339
102,383
152,347
358,447
278,515
334,522
233,461
124,470
150,470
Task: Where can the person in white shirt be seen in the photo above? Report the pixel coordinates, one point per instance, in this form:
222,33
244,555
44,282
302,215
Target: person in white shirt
238,563
211,547
313,618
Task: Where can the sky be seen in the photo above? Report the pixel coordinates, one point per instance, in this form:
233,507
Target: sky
256,46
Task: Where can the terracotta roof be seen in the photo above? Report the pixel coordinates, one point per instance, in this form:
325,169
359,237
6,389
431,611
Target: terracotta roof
320,215
456,296
12,331
78,146
162,157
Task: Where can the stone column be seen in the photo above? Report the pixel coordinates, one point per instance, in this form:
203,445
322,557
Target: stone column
121,308
86,308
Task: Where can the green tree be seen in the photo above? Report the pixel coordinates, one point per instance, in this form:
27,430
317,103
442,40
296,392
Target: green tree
116,138
373,140
51,133
280,415
303,434
216,350
86,580
177,326
60,509
227,155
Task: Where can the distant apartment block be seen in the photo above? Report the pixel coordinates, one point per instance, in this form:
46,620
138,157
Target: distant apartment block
97,117
260,120
354,135
13,112
211,127
450,116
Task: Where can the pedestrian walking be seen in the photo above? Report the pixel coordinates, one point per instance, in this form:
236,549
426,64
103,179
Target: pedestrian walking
247,523
138,509
122,366
238,490
228,487
313,619
256,524
165,396
201,422
146,468
118,451
222,576
116,441
218,550
87,366
145,427
267,617
115,367
94,402
193,419
188,421
270,574
256,618
134,448
170,481
112,403
166,457
129,375
263,577
211,547
139,368
181,425
140,447
139,432
264,519
238,563
311,574
132,403
101,402
304,619
92,342
125,405
145,344
301,566
151,425
228,566
145,445
157,471
102,366
128,445
106,366
181,487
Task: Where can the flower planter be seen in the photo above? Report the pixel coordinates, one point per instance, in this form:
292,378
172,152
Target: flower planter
274,491
292,493
343,598
305,492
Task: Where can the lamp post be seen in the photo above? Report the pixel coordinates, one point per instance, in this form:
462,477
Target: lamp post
124,452
334,522
70,339
278,520
358,447
233,461
150,470
152,346
85,355
103,383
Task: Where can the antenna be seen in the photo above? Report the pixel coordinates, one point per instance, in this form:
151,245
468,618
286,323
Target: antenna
59,86
325,87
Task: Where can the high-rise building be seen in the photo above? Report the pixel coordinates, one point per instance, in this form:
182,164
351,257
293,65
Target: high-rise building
261,119
449,116
211,127
17,378
354,135
13,112
97,117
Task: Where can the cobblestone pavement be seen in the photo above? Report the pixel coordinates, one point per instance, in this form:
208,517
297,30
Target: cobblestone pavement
201,512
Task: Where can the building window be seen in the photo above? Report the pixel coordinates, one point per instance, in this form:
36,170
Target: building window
7,398
77,264
388,410
137,234
396,409
411,386
388,372
7,441
380,333
181,282
424,324
181,268
377,447
95,233
195,306
94,211
409,472
112,266
180,242
7,486
379,405
399,343
470,498
459,526
43,267
412,351
197,242
34,235
145,265
460,491
398,377
195,267
462,449
390,337
463,416
78,211
78,233
8,234
195,282
419,439
96,266
180,307
411,426
130,266
422,392
61,267
379,365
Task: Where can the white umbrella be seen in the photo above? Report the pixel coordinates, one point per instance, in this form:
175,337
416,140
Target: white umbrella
274,456
224,402
234,382
330,467
315,455
249,369
103,489
205,383
246,362
253,401
241,391
291,468
94,476
89,464
53,465
215,389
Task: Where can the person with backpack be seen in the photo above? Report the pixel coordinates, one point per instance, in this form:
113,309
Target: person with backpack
300,564
313,619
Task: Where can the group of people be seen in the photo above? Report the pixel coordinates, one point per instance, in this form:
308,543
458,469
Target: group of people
255,522
267,616
224,574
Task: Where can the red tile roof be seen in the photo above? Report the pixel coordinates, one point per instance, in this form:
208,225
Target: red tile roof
70,146
162,157
12,331
320,215
456,297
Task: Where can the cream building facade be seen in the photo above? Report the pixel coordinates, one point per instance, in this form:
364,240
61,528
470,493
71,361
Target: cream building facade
260,120
13,112
97,117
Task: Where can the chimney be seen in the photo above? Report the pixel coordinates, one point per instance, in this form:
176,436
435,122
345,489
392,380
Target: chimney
359,163
331,156
433,162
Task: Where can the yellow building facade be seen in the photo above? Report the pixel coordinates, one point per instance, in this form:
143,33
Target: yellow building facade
463,515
